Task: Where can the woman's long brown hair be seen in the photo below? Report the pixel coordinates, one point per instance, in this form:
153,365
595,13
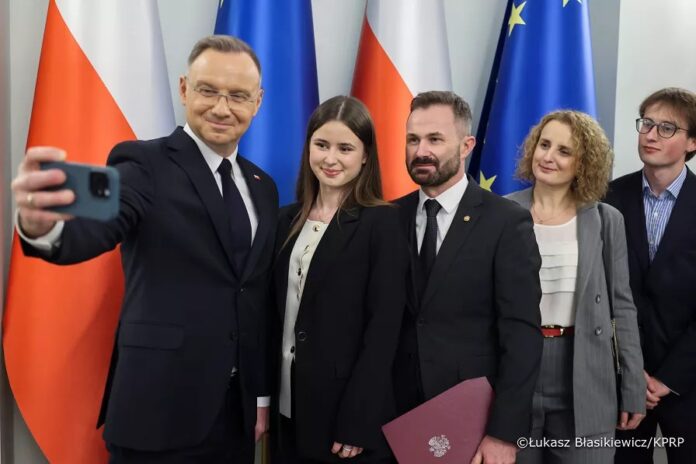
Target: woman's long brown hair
366,189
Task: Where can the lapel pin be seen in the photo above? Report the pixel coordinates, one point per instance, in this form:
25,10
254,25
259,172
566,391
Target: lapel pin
256,177
467,218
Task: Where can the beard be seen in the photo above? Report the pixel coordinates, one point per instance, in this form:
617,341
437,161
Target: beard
444,171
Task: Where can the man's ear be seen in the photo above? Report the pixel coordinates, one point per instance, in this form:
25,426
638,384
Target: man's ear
466,146
257,104
691,144
182,89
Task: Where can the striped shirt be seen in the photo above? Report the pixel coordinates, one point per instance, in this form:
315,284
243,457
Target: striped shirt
658,209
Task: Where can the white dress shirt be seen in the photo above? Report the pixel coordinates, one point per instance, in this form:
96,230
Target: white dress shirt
449,200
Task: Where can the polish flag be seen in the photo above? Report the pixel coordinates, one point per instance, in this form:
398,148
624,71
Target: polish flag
403,51
102,79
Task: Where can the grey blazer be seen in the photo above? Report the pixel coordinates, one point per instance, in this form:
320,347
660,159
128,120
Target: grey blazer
594,380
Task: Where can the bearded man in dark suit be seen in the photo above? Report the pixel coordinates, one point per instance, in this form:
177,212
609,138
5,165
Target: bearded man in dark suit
475,267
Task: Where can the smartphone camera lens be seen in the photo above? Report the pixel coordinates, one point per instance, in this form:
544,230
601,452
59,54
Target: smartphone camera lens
99,184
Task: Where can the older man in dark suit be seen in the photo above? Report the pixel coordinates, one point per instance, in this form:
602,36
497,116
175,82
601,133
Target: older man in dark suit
196,227
475,310
659,207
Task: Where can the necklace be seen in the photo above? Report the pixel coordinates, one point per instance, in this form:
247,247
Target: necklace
539,220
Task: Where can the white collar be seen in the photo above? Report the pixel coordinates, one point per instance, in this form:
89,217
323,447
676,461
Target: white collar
211,158
449,199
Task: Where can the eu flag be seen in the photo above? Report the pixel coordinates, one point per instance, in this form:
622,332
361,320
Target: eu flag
282,35
546,64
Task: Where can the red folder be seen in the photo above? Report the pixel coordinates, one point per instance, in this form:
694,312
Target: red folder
446,429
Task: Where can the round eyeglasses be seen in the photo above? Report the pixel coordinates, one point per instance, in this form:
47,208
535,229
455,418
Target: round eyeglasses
664,129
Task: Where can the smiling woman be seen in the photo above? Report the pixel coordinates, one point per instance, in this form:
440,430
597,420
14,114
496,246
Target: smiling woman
340,133
584,145
568,159
340,284
336,156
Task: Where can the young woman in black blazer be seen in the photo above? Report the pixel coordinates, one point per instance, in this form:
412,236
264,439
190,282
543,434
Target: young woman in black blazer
340,283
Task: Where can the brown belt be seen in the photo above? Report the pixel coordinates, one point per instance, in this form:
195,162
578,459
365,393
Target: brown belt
551,331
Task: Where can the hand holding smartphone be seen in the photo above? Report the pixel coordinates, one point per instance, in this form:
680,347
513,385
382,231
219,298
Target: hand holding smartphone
97,190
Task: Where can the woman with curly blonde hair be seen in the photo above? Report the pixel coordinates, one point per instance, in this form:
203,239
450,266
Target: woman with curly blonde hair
585,294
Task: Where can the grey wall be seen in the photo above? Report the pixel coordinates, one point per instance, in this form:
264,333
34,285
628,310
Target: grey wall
604,16
5,398
26,22
656,49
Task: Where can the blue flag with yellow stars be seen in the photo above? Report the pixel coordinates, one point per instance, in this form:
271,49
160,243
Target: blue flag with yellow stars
282,35
546,64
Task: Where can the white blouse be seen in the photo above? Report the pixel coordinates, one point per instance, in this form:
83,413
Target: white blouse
558,246
300,259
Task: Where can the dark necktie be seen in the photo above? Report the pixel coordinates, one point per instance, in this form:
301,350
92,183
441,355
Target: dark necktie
238,216
429,247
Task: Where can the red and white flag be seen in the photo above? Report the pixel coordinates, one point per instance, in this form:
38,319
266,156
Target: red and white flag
102,79
403,51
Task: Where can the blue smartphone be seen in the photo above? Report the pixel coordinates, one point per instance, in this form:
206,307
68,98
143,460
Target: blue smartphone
97,190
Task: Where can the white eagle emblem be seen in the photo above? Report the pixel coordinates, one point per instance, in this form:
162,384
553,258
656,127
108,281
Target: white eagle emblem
439,446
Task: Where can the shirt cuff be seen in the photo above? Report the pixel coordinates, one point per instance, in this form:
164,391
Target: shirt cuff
263,401
45,242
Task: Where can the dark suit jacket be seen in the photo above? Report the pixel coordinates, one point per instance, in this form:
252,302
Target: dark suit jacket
664,291
479,314
173,357
347,330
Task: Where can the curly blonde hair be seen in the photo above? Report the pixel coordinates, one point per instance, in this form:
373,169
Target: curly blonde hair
595,157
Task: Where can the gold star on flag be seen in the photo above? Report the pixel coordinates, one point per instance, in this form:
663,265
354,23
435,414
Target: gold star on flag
484,183
515,17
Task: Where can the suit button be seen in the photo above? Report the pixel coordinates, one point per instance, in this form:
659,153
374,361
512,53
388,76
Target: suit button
597,299
598,331
241,290
421,321
302,335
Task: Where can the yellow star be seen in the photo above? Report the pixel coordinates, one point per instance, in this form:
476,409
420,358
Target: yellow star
565,2
515,17
484,183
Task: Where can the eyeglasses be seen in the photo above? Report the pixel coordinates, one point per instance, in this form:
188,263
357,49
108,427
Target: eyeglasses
664,129
235,99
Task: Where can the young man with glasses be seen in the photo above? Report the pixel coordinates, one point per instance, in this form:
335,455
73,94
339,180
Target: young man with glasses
189,376
659,207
